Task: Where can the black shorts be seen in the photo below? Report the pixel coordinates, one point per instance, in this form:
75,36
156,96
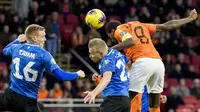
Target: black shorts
12,101
115,104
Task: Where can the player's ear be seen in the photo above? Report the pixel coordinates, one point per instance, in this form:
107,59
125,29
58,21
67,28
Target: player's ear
101,54
34,39
113,30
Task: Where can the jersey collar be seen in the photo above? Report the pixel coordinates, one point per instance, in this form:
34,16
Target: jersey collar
109,52
32,44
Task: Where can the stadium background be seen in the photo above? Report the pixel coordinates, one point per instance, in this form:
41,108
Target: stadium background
68,35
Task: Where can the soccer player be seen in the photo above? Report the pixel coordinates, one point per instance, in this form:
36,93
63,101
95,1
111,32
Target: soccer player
115,78
147,68
29,61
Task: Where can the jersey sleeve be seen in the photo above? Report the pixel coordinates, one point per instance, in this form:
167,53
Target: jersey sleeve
108,65
8,50
121,34
49,62
151,28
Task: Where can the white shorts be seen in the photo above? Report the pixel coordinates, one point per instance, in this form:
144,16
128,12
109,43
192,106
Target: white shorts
147,71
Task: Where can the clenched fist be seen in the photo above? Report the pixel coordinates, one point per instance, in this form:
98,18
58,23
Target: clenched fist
21,38
193,14
81,73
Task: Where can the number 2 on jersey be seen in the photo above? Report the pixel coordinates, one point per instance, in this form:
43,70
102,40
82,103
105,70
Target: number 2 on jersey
139,32
124,75
27,69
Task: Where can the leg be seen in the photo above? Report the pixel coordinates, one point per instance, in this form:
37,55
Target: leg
139,75
154,102
7,100
107,105
116,104
156,83
136,103
32,106
126,104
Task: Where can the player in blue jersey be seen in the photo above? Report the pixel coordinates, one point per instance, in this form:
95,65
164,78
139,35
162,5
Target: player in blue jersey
115,78
29,61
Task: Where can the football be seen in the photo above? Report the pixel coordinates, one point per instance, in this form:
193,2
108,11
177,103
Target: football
95,18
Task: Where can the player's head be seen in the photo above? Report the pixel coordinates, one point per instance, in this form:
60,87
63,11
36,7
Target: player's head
35,34
111,27
97,49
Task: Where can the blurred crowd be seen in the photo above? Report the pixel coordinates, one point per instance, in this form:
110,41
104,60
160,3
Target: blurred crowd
65,29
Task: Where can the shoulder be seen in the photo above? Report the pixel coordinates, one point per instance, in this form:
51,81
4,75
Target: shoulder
45,52
122,30
41,52
16,46
115,51
106,60
122,27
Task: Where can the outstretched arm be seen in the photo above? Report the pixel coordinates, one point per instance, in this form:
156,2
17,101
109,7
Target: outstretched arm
51,65
173,24
64,76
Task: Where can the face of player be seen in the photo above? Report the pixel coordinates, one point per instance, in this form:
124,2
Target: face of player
111,35
40,40
95,56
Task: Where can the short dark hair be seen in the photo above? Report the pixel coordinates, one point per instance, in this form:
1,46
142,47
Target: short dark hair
112,25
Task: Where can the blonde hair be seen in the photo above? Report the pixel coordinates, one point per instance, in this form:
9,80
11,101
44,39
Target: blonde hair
31,29
98,45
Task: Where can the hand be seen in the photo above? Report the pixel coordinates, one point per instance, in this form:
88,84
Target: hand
21,38
90,97
193,14
163,99
81,73
94,77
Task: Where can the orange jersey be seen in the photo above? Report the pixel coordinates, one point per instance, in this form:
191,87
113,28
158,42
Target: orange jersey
57,94
43,94
141,32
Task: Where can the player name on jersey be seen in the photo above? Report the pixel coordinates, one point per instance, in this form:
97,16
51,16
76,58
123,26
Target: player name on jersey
27,54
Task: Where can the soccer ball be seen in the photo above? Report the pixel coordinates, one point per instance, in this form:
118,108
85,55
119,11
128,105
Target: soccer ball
95,18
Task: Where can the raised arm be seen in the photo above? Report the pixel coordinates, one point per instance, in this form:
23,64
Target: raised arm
9,48
173,24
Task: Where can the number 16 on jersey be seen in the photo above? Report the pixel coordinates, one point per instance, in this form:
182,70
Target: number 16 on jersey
26,70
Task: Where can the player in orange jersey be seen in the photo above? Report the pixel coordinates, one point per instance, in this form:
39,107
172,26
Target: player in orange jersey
147,68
